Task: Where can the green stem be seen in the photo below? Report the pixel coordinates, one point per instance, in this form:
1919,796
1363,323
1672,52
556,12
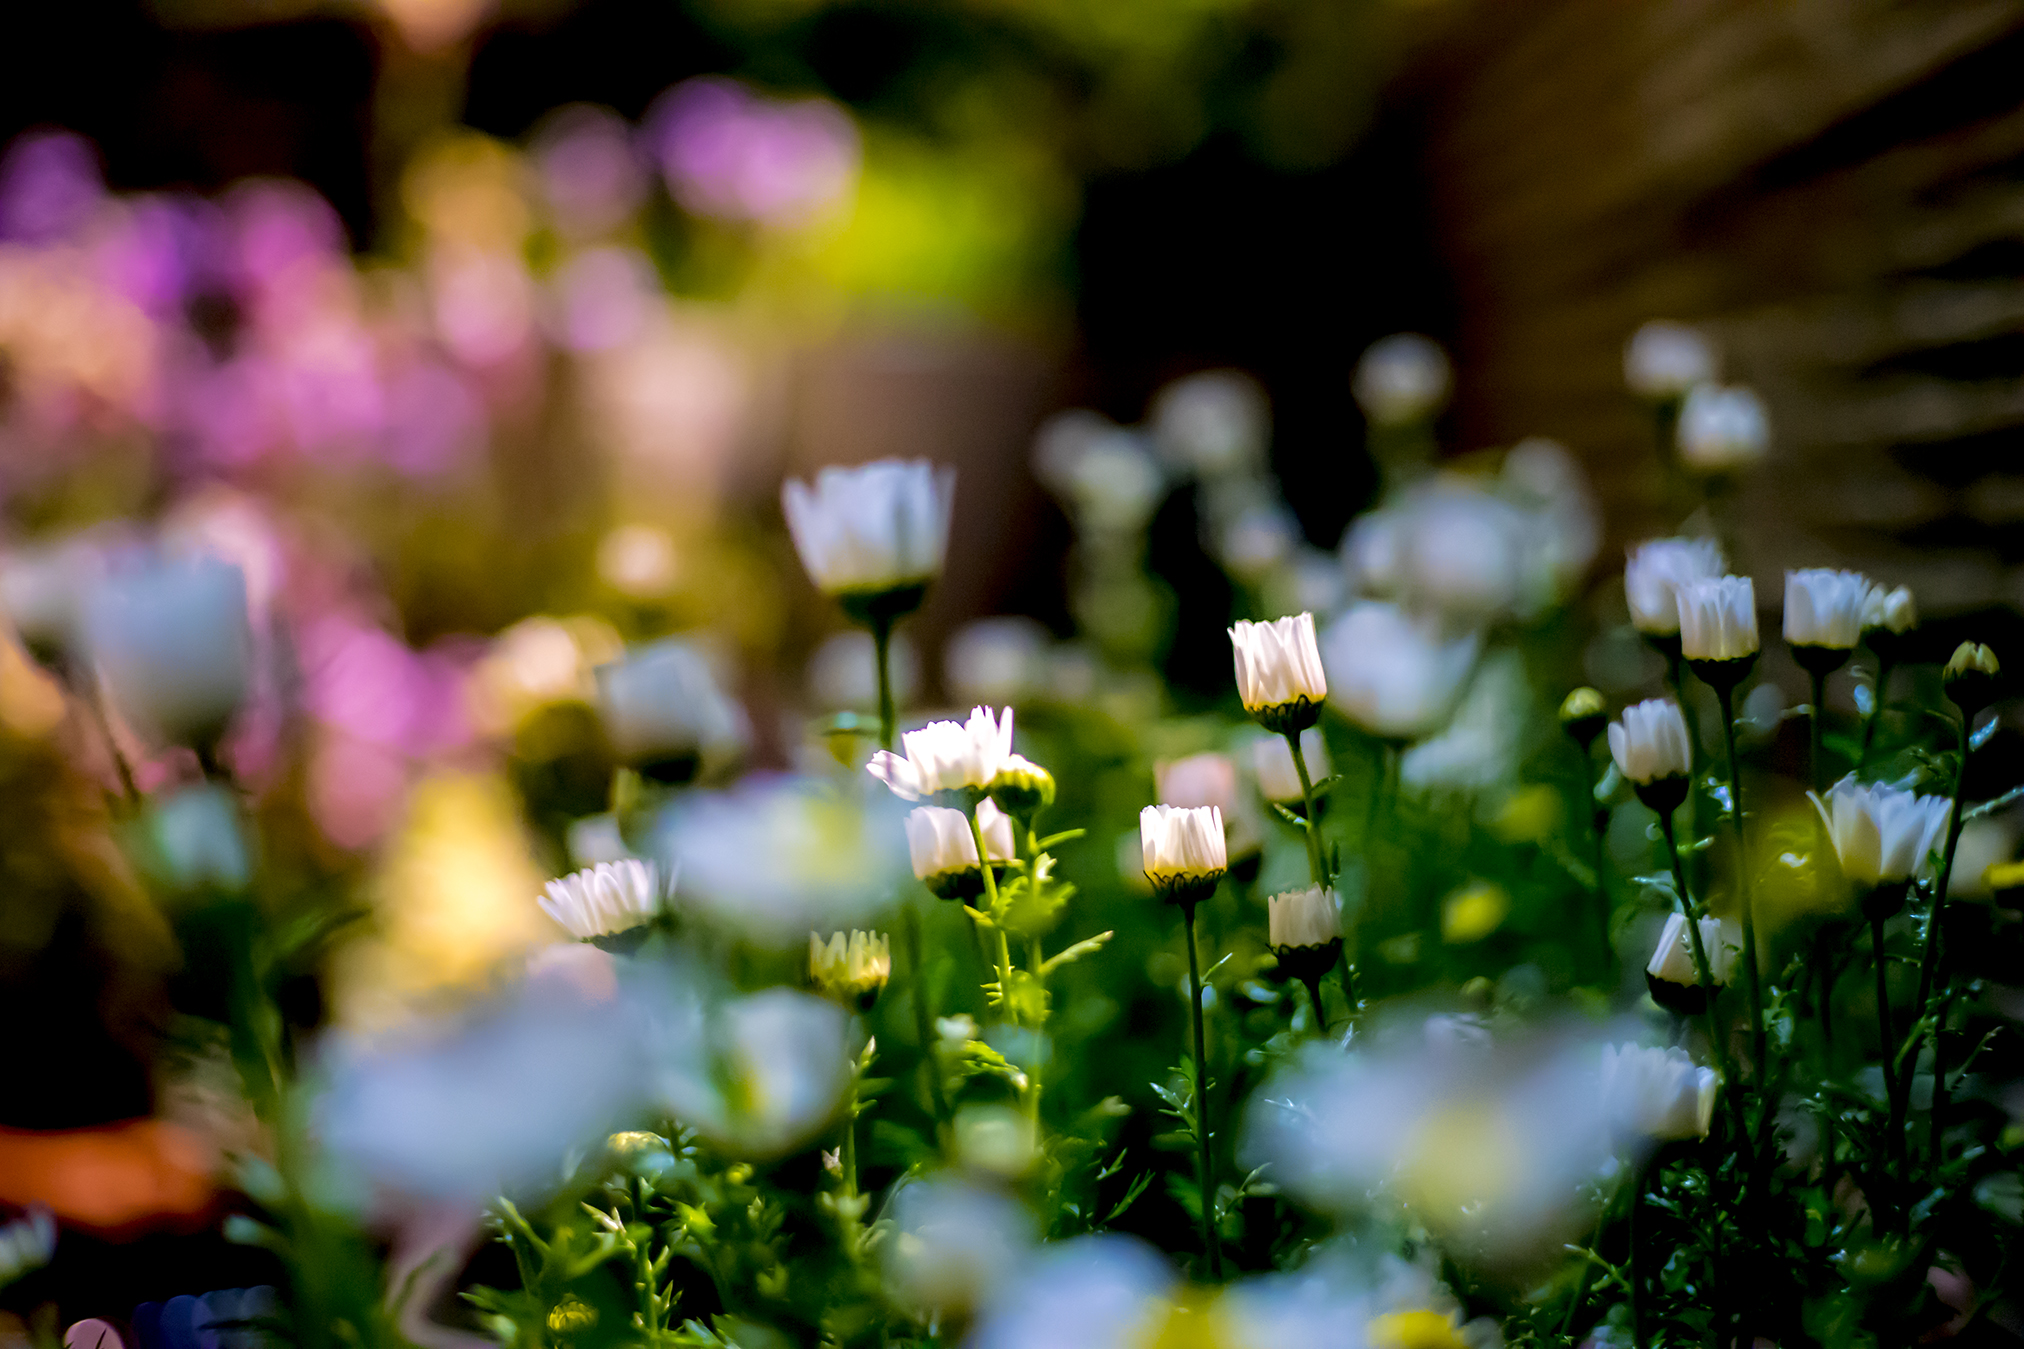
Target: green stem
991,907
1888,1043
1727,694
1314,863
1597,821
1640,1337
1813,722
1313,986
1210,1245
910,927
850,1138
1036,963
1929,966
882,640
1702,968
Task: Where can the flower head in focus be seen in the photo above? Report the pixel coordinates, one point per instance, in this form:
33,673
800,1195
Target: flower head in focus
1674,975
1663,360
1824,610
1022,788
872,536
1279,673
1722,429
1402,380
172,641
1391,675
612,900
1184,851
1304,928
1881,834
1653,751
851,971
1653,573
944,849
1658,1094
1718,620
947,756
1278,777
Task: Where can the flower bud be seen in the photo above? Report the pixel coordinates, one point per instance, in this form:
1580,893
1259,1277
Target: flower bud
1402,380
1185,855
1659,1093
874,535
1722,429
1970,677
1718,619
1653,573
1663,360
1887,621
1304,928
172,642
1823,613
1583,714
850,971
944,849
1022,788
1279,673
1650,743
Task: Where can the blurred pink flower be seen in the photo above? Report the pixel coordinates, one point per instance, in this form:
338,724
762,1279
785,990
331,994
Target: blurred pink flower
726,151
589,174
49,186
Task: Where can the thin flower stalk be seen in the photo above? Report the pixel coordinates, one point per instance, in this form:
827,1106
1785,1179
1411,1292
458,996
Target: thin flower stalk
1728,699
1316,867
1211,1244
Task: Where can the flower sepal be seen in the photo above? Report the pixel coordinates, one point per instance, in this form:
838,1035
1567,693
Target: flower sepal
1288,718
1663,796
1820,660
1688,1000
882,606
1724,675
1307,963
1883,901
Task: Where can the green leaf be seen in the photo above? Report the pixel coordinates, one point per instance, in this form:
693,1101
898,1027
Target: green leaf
2008,798
1138,1187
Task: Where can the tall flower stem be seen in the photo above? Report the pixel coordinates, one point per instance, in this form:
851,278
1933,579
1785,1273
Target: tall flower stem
882,641
910,928
1598,823
1813,722
1313,987
1314,862
1889,1045
1210,1245
1702,967
1929,967
1727,694
1876,694
991,903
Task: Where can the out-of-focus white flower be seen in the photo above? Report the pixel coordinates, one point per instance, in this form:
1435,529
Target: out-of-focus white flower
1279,675
42,590
1563,526
1722,428
1213,423
1481,1145
843,672
1673,958
604,900
1657,1093
1390,674
1463,554
944,849
1478,749
1718,619
777,858
954,1244
661,702
1093,1292
947,756
1373,552
423,1113
1257,539
1650,742
27,1244
1208,779
996,1140
1653,573
1824,607
997,661
639,561
878,527
1663,360
1104,474
1894,611
1272,762
1306,917
1183,847
759,1075
852,970
1881,834
172,642
1402,379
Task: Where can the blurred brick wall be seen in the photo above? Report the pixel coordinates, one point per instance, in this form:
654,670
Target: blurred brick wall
1835,188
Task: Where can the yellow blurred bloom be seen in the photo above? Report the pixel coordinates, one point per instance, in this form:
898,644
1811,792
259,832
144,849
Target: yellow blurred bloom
1473,912
1413,1330
1528,815
1467,1155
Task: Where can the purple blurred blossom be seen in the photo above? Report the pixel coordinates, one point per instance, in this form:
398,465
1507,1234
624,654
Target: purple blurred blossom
166,251
602,298
589,174
49,185
434,420
726,151
364,681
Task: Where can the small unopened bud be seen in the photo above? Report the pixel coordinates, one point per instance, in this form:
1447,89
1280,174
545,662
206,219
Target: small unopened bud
851,970
1583,715
1970,677
1022,788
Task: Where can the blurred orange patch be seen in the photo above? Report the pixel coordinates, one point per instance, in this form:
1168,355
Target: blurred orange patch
115,1180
